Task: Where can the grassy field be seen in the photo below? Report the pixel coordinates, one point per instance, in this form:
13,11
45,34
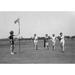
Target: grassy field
28,54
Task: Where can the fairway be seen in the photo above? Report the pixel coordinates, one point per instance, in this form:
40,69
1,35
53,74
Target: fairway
28,54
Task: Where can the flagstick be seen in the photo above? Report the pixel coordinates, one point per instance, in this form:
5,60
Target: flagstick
17,21
19,36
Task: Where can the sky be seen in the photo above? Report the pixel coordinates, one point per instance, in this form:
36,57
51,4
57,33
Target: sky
37,22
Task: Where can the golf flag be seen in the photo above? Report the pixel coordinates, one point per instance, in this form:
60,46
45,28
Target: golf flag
16,21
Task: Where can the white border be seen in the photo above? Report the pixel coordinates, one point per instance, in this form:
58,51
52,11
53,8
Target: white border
37,5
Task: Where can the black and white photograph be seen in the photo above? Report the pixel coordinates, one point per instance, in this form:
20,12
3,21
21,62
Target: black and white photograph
37,37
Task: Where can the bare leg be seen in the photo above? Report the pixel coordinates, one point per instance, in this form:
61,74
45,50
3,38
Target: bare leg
53,45
36,47
62,47
12,49
47,45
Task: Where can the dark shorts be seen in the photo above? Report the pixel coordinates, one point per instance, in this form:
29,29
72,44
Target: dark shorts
12,42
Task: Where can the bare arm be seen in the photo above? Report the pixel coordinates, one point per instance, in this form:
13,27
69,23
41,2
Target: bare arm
16,35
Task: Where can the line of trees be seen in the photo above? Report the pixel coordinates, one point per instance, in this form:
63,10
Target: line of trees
40,38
